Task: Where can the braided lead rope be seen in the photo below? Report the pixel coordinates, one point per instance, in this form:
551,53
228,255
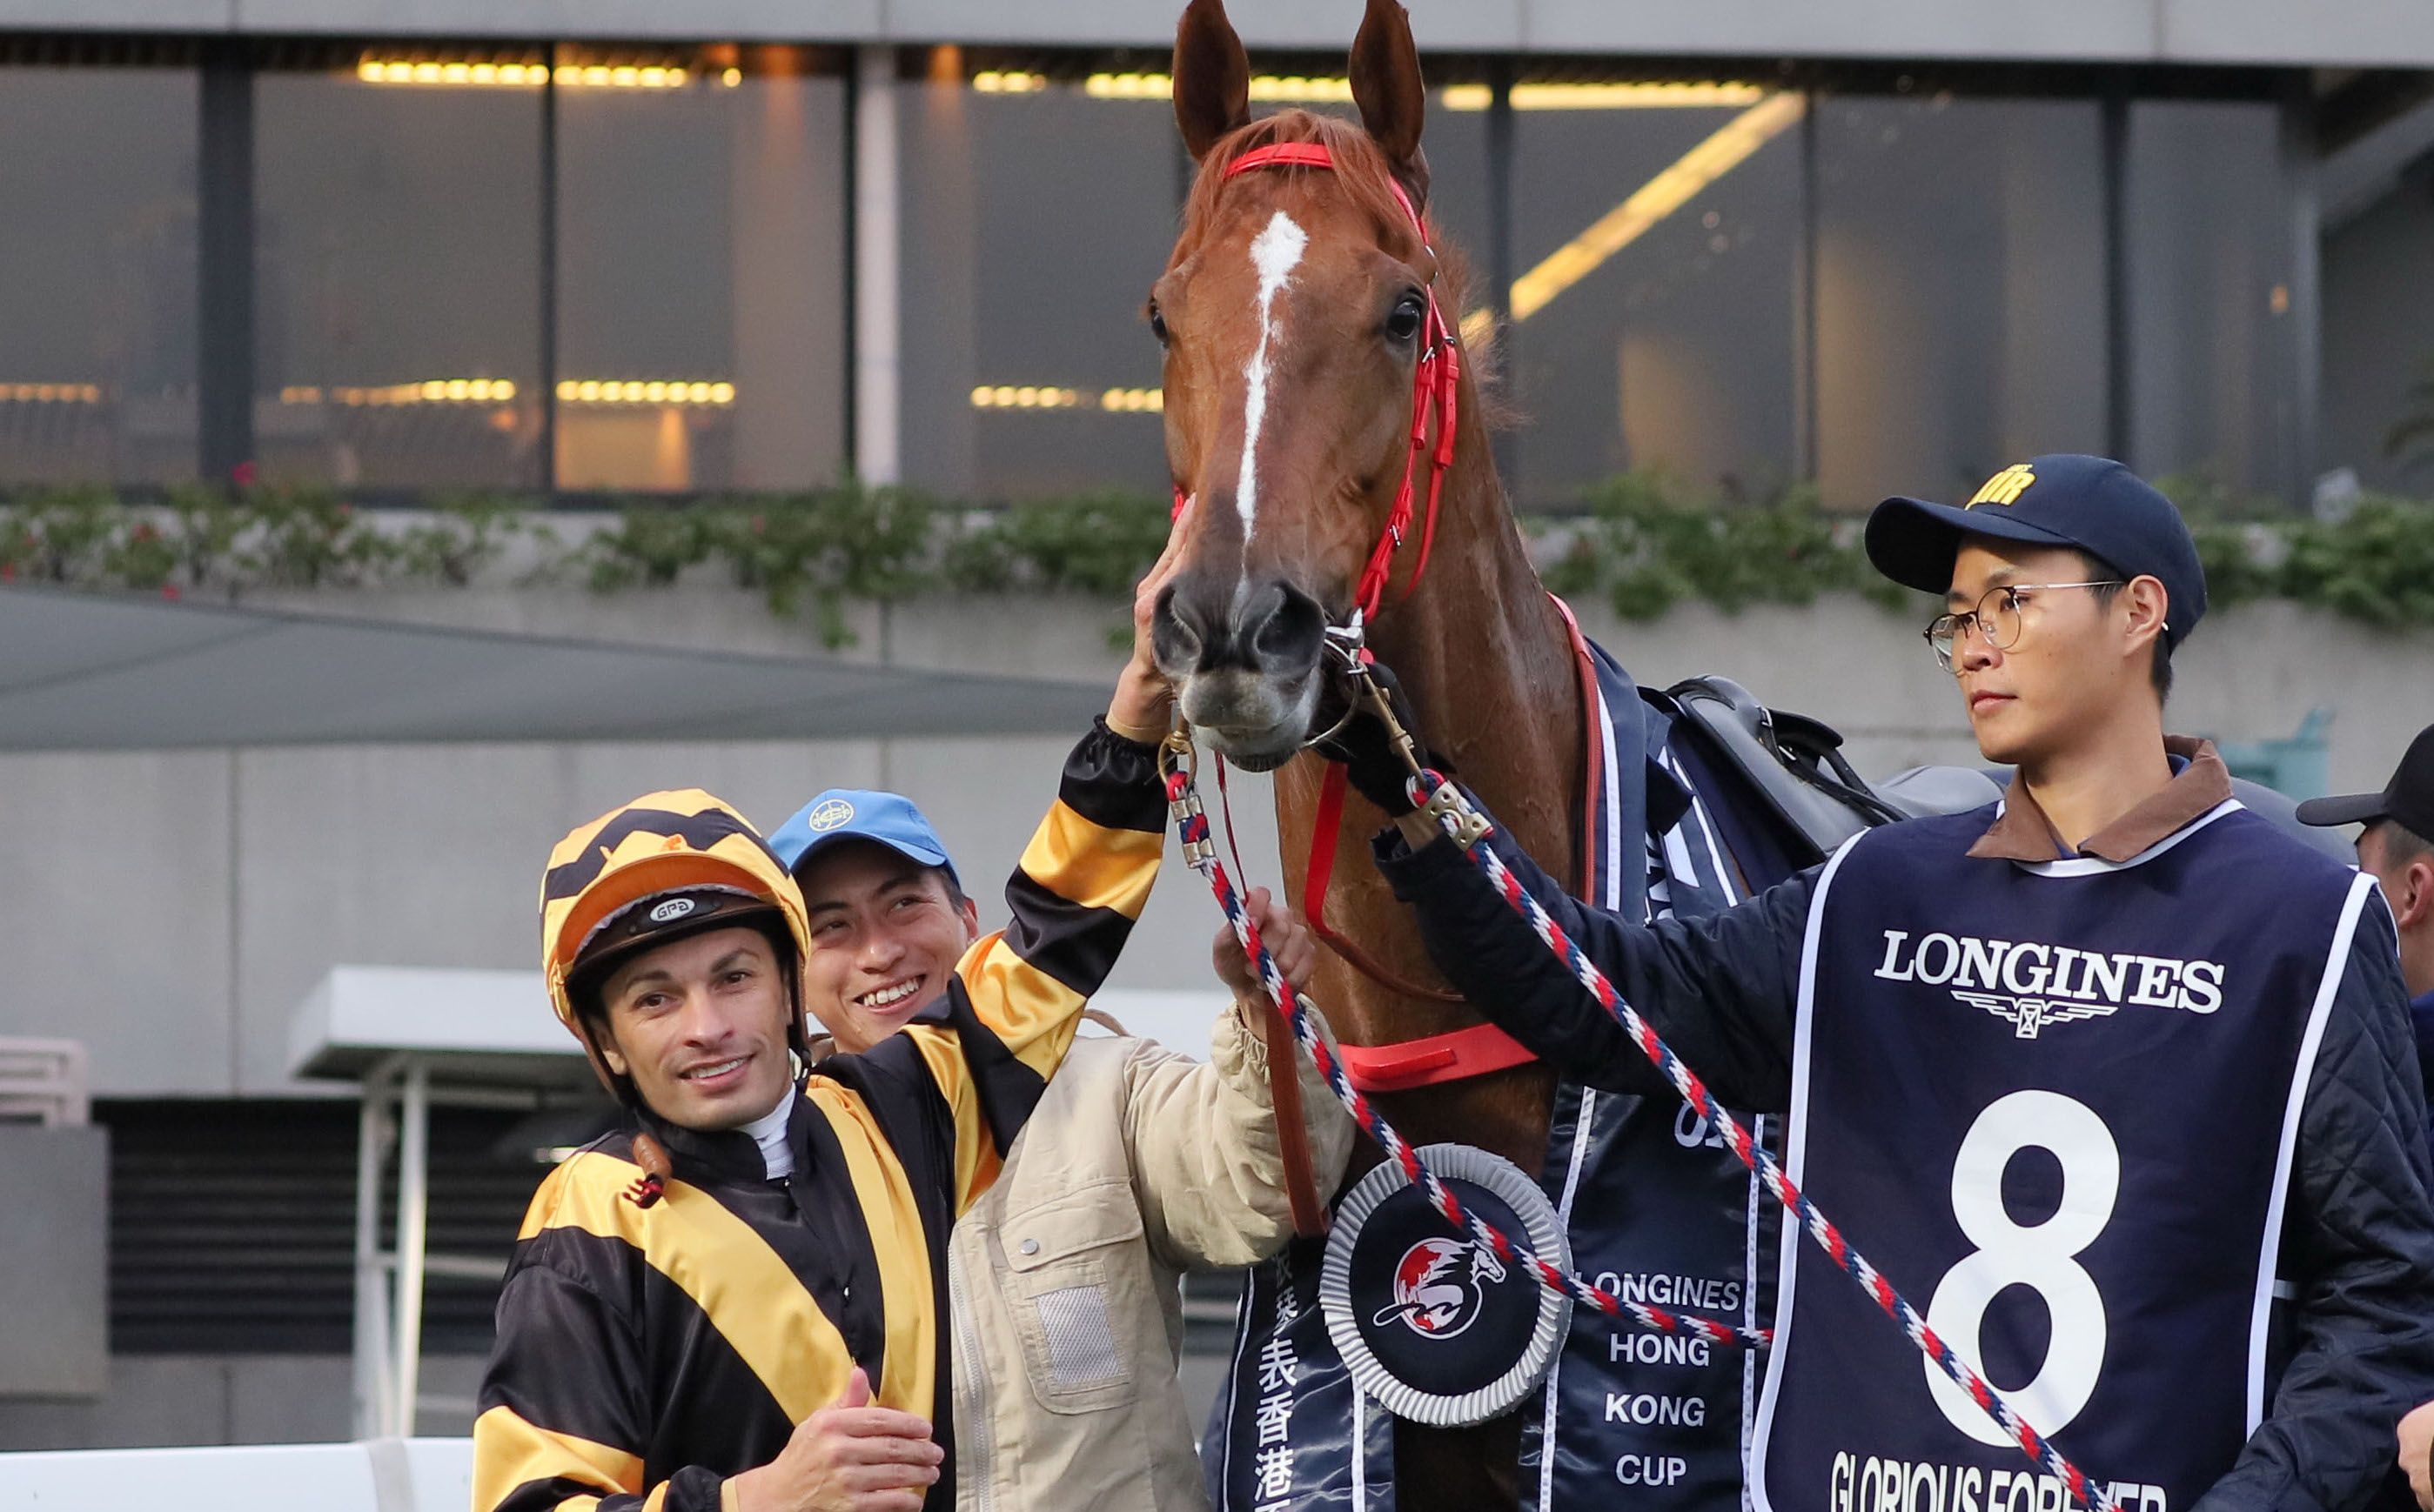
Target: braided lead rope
1200,852
1424,788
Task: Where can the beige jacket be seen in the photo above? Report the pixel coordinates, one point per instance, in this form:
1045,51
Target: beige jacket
1139,1165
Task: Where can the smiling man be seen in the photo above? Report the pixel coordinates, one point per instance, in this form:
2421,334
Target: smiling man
2113,1079
737,1301
1139,1165
888,914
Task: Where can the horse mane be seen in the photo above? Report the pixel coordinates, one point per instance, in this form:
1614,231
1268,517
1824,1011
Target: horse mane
1365,175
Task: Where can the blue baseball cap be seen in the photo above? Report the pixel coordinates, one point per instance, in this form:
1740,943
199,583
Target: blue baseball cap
2097,505
854,813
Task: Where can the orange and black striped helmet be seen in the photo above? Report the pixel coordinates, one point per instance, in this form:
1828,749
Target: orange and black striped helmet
683,843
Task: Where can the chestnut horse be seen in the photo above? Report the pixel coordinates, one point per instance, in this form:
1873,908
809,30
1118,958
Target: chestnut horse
1292,312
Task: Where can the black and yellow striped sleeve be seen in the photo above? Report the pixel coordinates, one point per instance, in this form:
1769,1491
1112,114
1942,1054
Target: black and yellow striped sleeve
1075,895
561,1407
566,1419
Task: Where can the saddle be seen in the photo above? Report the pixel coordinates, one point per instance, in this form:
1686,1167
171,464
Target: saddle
1794,765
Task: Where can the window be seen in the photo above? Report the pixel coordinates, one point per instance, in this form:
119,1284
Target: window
1960,291
1035,219
1657,243
2213,333
701,276
97,303
397,257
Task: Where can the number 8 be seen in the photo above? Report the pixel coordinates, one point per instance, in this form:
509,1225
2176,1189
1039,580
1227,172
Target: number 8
2042,1257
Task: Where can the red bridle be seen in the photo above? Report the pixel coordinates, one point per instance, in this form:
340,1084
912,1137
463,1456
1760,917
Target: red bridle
1435,384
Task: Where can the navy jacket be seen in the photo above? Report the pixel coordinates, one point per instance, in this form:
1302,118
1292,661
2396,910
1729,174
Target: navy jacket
2359,1239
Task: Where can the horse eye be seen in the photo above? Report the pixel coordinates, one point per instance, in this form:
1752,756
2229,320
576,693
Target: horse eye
1403,321
1157,324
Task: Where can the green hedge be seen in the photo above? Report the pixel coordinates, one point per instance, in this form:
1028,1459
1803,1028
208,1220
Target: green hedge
1643,542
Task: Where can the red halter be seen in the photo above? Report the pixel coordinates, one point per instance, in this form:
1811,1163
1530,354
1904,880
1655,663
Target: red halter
1435,386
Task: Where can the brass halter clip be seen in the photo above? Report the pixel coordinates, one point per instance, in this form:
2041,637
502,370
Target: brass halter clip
1176,754
1446,805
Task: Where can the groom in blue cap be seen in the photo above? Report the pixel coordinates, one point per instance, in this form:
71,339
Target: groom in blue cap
889,917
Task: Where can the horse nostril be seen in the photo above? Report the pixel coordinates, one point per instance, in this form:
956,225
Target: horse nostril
1174,637
1289,638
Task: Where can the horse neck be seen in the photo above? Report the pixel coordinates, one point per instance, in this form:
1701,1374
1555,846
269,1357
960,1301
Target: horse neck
1489,661
1485,656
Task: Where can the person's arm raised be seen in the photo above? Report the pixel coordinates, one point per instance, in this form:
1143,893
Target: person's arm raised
1074,897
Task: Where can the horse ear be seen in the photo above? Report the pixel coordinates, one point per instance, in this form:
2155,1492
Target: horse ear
1212,77
1387,85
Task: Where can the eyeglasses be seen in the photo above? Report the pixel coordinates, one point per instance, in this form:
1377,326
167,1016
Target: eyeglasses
1996,619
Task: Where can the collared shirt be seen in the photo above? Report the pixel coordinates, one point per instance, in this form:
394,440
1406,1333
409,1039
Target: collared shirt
2202,783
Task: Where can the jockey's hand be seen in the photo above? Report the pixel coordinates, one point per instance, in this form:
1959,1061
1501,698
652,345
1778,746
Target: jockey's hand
1139,709
1370,757
850,1457
1287,938
2416,1450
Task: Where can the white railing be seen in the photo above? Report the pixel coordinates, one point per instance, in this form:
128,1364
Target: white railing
45,1080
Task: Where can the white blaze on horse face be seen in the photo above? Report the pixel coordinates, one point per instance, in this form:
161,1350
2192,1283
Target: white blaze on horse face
1275,252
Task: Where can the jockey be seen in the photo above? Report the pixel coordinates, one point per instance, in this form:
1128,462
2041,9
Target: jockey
2114,1078
734,1303
1136,1165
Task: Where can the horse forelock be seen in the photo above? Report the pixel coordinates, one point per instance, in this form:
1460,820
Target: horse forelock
1361,168
1368,180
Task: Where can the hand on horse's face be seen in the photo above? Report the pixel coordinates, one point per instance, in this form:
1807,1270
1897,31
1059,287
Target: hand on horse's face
1139,710
1287,938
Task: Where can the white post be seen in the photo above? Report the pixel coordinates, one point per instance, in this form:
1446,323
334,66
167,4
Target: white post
371,1275
876,333
413,1210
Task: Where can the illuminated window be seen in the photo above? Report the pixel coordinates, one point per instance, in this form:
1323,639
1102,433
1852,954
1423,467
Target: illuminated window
97,275
701,279
1960,291
397,254
1656,251
1034,223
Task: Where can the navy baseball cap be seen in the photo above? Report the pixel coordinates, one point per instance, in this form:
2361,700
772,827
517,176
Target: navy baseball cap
2407,800
2095,505
854,813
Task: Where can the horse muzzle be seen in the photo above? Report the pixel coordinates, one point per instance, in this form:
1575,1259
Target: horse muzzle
1244,660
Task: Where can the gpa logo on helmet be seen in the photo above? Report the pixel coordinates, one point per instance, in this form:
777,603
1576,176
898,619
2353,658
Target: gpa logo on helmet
673,909
1437,1286
828,815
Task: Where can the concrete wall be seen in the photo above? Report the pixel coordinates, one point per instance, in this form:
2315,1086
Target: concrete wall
172,910
2397,32
53,1261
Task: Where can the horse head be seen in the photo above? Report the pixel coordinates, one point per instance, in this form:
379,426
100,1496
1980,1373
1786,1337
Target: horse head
1295,312
1317,398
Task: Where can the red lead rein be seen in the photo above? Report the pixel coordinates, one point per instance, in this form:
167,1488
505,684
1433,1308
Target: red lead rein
1200,852
1431,790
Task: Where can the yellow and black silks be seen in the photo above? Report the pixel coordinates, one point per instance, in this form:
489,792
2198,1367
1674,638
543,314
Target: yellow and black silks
644,1354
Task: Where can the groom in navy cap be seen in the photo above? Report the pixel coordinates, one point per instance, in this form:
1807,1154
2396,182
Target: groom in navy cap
2113,1078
